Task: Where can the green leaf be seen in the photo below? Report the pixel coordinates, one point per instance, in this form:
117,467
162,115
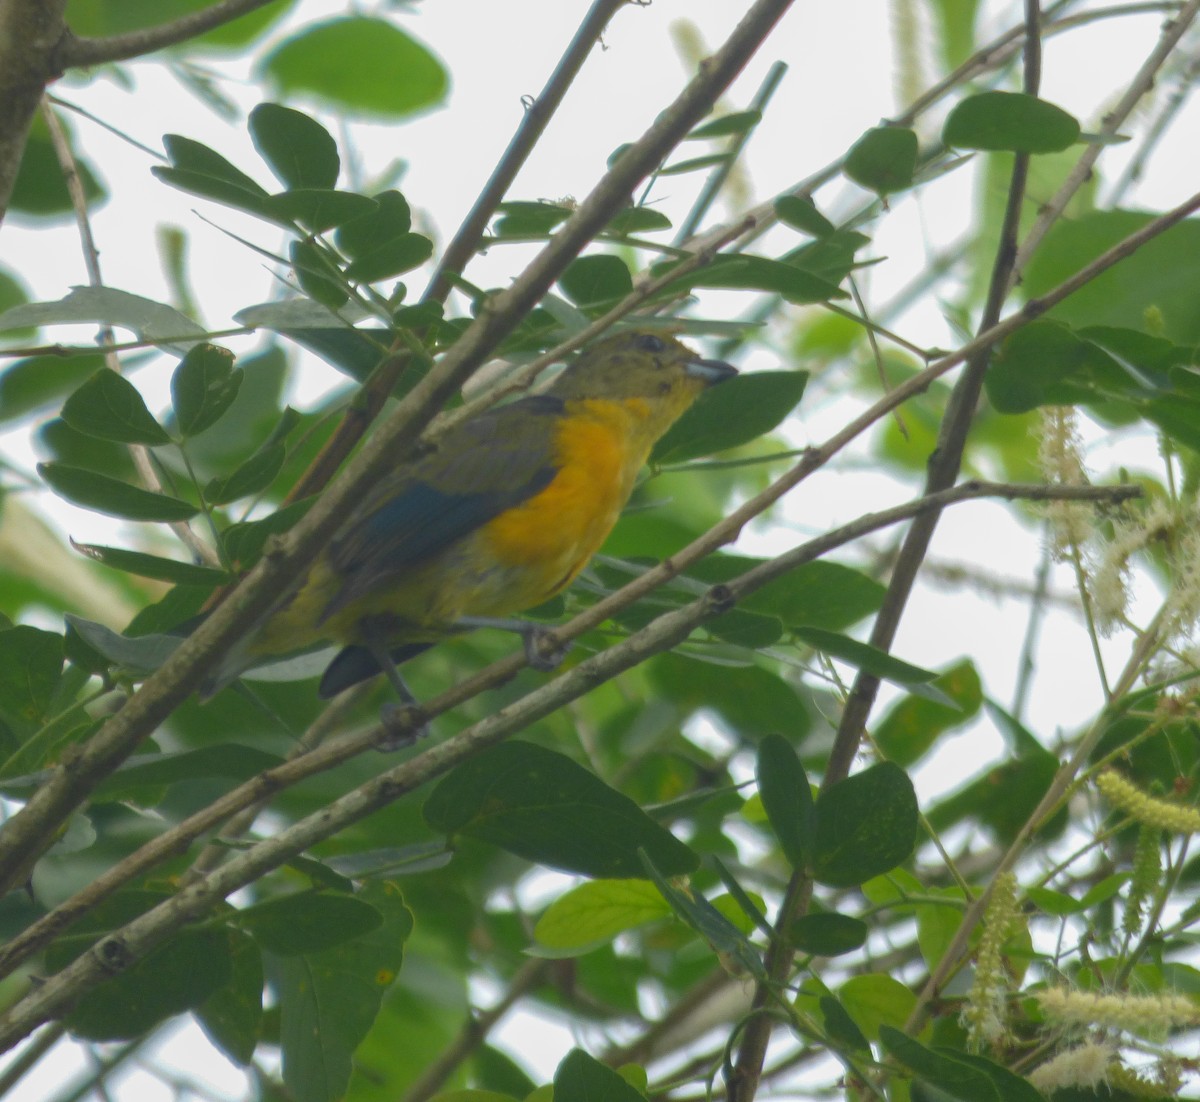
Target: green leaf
112,497
633,220
244,542
866,825
309,922
828,935
959,1074
1009,120
738,411
317,209
40,189
722,936
300,151
390,220
252,477
141,653
203,387
876,1001
800,212
176,977
30,668
1151,291
109,407
32,384
152,566
883,159
359,63
221,761
913,725
693,164
840,1026
745,272
149,320
871,659
317,275
521,218
579,1078
598,910
736,122
329,1000
821,594
787,798
1031,364
390,258
231,1016
597,281
197,169
541,805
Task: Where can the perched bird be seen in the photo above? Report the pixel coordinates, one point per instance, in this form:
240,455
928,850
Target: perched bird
501,515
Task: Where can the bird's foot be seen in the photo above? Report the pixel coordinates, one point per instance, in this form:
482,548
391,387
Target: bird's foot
542,650
404,725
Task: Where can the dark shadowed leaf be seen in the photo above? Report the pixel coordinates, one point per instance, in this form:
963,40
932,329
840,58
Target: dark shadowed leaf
231,1016
203,387
596,281
29,385
203,171
787,798
308,922
317,209
580,1078
175,977
866,825
152,566
827,934
300,151
959,1074
910,729
252,477
542,806
111,496
329,1000
108,406
732,414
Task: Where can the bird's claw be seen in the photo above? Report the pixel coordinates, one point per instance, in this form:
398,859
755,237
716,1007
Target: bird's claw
544,660
404,725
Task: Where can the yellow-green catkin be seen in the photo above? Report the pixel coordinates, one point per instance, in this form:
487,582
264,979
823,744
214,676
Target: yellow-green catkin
1126,796
1147,871
1126,1080
1151,1015
986,1007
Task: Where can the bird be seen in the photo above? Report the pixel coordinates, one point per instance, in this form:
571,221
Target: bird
498,516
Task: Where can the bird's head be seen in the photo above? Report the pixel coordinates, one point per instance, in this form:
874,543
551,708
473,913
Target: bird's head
640,364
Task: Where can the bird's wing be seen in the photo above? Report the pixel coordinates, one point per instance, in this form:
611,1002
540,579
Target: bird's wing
489,464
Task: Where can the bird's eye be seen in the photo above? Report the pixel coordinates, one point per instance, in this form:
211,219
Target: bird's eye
650,343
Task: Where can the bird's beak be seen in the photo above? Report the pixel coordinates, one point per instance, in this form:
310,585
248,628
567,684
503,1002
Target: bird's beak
710,372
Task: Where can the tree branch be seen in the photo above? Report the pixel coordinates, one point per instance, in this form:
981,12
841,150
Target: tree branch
75,52
29,32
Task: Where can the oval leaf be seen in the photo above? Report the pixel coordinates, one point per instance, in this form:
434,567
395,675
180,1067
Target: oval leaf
542,806
1009,120
361,63
866,825
787,798
109,407
111,496
203,387
300,151
740,410
309,922
828,935
883,159
596,911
